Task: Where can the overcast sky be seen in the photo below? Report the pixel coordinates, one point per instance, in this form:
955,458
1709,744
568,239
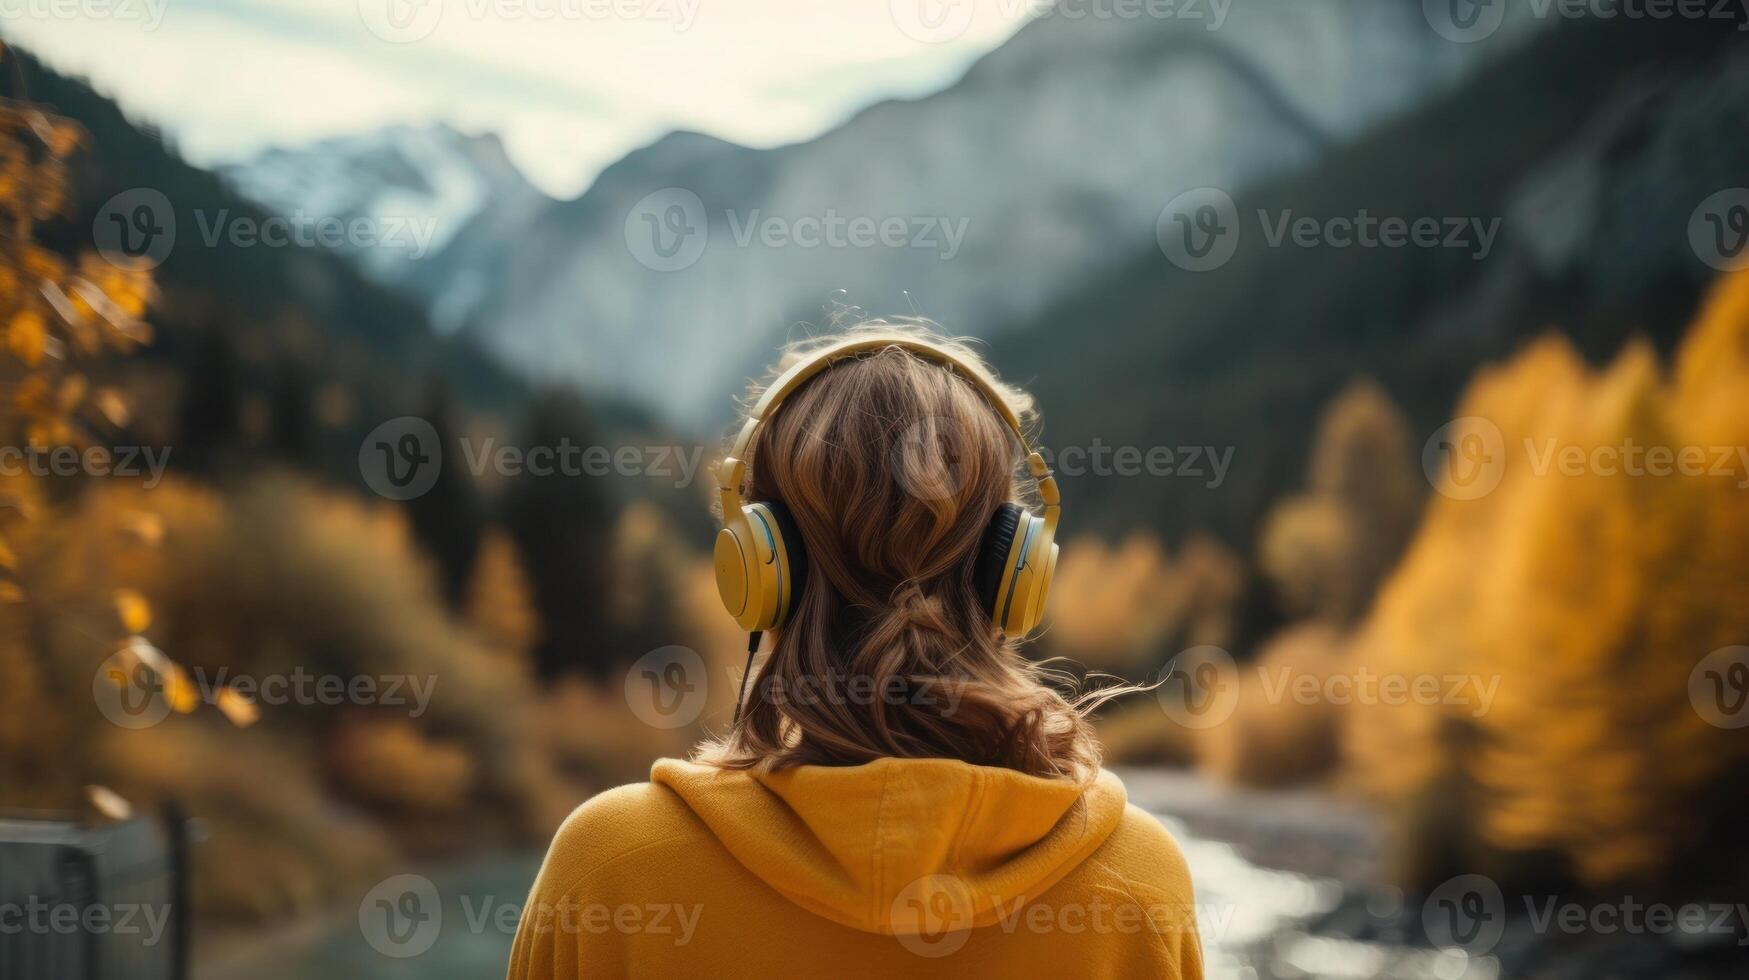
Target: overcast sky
570,84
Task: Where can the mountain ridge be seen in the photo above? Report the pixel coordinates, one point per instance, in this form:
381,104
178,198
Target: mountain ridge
1055,152
577,299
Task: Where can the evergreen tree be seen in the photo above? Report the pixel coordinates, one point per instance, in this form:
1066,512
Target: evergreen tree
450,518
563,526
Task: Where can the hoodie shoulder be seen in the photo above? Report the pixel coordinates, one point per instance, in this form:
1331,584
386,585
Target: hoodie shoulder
613,824
1151,868
625,848
1149,859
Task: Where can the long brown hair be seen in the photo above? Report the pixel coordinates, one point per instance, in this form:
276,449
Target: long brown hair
892,466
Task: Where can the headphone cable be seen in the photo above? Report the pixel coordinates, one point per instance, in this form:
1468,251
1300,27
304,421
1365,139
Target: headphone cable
753,639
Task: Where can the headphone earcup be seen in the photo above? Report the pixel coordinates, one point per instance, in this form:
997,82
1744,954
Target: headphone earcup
1015,564
740,568
761,566
792,560
994,552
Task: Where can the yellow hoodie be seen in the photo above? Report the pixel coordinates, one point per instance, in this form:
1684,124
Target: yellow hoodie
901,867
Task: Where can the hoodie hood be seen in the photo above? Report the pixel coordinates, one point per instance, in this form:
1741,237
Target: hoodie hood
869,846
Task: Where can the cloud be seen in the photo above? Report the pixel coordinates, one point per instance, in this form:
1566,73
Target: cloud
570,84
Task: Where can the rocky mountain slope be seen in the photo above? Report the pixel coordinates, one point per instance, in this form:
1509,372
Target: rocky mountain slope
1046,164
440,206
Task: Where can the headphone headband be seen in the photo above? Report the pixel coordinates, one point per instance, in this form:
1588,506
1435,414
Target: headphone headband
733,468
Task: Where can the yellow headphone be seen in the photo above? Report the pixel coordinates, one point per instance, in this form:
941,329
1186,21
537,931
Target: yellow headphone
760,562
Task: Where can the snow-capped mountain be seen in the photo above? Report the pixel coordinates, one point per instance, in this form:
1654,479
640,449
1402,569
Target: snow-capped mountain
1050,161
423,209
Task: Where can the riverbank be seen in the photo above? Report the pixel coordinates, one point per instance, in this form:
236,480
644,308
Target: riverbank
478,901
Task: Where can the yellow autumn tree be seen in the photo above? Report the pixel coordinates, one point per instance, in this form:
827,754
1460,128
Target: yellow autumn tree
56,310
57,313
1326,549
1591,588
498,604
1127,607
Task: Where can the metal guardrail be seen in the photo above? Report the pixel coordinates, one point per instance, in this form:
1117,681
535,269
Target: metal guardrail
94,903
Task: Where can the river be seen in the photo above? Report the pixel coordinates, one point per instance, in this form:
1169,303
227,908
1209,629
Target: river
1288,885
